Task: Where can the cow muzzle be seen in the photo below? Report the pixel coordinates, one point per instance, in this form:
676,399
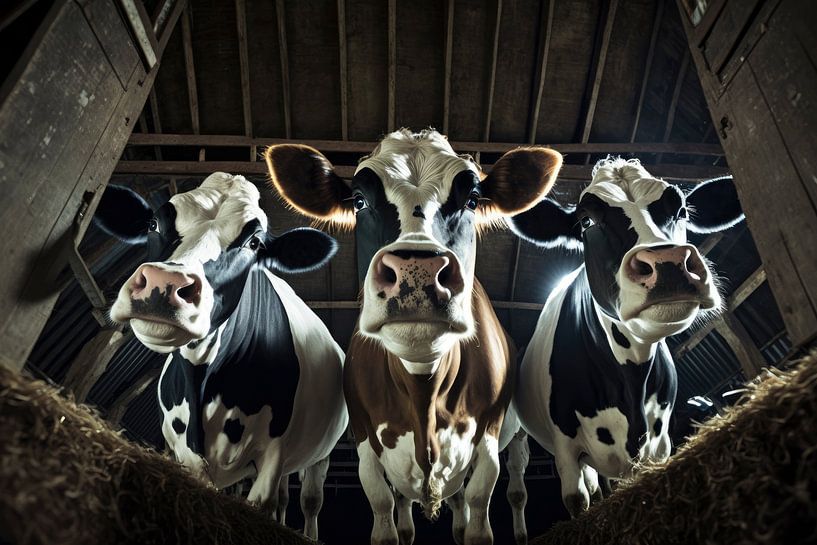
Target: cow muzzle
167,307
666,283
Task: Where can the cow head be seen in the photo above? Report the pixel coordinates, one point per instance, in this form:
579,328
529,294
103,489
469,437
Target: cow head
415,206
201,245
633,229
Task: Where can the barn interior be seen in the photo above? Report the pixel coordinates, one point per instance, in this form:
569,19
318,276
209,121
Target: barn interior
207,85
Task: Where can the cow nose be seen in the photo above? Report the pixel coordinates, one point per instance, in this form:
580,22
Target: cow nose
642,268
180,288
402,272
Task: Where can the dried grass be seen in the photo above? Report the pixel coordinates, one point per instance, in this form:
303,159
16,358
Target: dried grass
749,476
68,478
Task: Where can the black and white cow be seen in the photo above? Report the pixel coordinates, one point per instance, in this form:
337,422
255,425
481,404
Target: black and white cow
253,381
597,384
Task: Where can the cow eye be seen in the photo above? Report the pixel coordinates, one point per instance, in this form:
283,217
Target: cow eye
153,225
587,222
254,243
683,213
359,203
473,201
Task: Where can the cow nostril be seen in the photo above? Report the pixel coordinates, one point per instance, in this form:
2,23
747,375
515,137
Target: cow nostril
139,282
189,293
389,275
642,268
444,276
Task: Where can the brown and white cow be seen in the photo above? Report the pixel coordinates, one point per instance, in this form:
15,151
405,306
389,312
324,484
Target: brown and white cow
428,374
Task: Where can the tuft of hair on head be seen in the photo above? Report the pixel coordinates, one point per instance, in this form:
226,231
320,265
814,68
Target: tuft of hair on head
617,169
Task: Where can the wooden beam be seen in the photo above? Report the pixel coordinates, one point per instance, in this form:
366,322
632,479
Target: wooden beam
169,10
680,148
280,11
11,11
545,49
355,305
599,73
486,135
190,71
244,66
449,45
142,29
344,71
656,25
676,95
157,122
742,344
91,362
710,242
120,404
392,84
582,173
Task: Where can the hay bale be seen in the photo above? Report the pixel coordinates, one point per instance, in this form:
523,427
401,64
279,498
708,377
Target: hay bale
747,477
66,477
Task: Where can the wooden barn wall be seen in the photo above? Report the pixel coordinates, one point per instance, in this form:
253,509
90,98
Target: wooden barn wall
756,61
82,63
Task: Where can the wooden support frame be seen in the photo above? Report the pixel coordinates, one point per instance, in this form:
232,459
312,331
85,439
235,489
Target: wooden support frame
190,71
10,14
742,344
168,10
92,360
392,83
656,25
344,71
486,134
449,46
676,95
599,71
244,66
142,29
545,49
280,11
121,403
358,146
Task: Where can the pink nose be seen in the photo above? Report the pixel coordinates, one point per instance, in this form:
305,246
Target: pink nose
645,266
181,289
401,273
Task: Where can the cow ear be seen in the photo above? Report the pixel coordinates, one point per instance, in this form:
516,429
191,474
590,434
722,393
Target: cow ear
520,179
300,250
124,214
548,225
306,181
714,206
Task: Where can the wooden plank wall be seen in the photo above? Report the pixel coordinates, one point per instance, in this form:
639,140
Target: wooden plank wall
756,61
66,112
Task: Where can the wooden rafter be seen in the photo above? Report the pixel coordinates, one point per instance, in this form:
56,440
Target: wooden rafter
392,84
157,121
344,71
190,71
544,37
599,71
121,403
656,25
142,29
581,173
486,135
244,66
11,11
449,45
676,95
168,10
682,148
280,11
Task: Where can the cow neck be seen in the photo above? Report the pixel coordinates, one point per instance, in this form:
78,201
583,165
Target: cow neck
424,392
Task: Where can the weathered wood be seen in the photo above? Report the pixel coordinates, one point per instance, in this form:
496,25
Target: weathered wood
91,362
190,72
244,65
392,84
121,403
143,30
486,135
162,21
673,105
449,46
545,34
344,71
679,148
742,344
686,173
656,25
154,114
710,242
599,69
354,305
10,12
66,149
280,12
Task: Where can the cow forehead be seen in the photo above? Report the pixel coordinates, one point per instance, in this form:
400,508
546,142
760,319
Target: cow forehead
210,217
420,166
619,181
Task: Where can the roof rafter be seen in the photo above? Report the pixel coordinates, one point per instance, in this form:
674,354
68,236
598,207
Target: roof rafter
244,66
544,37
656,24
449,45
599,70
486,135
280,11
344,71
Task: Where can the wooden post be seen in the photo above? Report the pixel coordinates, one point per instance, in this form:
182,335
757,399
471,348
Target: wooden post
69,128
92,361
120,404
742,344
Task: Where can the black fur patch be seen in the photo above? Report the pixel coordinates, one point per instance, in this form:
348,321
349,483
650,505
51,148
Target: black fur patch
620,338
605,436
178,426
233,429
657,425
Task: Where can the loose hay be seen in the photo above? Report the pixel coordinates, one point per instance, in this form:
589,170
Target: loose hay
66,477
747,477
